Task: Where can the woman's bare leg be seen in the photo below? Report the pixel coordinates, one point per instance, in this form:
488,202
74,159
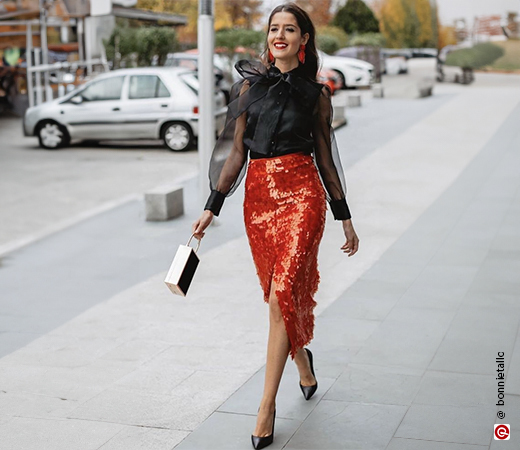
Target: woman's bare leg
303,364
277,351
278,347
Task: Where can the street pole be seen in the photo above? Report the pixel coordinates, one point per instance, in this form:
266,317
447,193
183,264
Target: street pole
206,139
28,58
38,77
45,50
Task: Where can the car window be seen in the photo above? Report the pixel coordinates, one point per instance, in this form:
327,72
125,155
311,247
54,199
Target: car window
147,86
109,89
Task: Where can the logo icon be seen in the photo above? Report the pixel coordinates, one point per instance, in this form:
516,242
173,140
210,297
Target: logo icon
502,432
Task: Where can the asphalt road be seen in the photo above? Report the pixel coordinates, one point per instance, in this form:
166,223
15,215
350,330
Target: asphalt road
42,189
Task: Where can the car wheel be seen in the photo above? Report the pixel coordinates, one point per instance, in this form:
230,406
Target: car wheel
52,135
177,136
342,78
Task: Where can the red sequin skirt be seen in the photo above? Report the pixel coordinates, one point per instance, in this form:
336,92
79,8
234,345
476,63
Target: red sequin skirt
284,213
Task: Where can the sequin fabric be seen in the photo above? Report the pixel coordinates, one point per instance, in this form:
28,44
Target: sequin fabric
284,214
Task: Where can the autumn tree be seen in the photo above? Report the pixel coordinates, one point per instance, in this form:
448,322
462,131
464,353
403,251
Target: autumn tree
242,13
447,36
356,17
228,14
408,23
320,10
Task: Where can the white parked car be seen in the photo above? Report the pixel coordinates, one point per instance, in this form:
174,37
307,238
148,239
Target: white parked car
126,104
395,65
354,72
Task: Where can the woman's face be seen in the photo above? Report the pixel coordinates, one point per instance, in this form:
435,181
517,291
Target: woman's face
284,29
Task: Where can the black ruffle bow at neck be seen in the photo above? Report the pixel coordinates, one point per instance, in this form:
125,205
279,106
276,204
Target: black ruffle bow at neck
301,88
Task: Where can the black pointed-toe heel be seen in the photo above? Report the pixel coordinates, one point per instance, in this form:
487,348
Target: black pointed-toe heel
308,391
261,442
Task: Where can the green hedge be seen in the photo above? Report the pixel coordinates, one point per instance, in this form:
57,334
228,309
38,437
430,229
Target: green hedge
143,42
476,57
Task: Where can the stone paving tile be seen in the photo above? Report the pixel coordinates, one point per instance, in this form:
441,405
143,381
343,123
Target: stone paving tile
61,351
23,404
337,425
290,401
408,337
209,358
330,356
55,434
142,438
73,384
227,431
351,334
505,302
137,350
151,409
402,274
459,424
415,444
155,378
456,389
460,251
439,286
473,340
376,384
367,299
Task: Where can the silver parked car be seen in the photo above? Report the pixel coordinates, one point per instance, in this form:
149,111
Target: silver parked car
140,103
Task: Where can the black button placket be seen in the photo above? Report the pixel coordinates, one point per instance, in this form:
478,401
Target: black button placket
269,117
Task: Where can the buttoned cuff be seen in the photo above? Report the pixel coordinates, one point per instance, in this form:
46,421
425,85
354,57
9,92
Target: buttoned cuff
340,209
215,202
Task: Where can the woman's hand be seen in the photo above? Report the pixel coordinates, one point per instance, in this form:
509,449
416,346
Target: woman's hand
351,245
201,224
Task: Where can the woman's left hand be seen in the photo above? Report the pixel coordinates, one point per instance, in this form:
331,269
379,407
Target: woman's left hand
352,244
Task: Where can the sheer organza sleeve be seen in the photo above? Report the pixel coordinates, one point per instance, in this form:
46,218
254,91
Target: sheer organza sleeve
326,156
227,166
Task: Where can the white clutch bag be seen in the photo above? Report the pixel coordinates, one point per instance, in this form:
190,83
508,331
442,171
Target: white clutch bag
182,269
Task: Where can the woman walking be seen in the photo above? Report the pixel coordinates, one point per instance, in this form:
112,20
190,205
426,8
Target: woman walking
281,118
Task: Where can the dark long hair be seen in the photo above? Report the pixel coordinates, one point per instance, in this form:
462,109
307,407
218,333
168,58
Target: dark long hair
310,67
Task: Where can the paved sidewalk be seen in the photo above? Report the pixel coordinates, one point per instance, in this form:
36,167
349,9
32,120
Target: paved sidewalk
406,333
405,358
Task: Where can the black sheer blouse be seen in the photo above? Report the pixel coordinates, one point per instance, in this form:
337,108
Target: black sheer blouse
270,114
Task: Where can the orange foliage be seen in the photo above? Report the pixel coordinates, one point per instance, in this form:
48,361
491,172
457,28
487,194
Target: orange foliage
392,22
407,23
318,10
424,14
447,36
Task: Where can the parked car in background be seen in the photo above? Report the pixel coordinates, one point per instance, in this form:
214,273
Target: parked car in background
330,78
353,72
395,60
126,104
395,65
367,53
190,60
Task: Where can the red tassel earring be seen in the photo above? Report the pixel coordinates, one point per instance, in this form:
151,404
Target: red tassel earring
270,56
301,54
